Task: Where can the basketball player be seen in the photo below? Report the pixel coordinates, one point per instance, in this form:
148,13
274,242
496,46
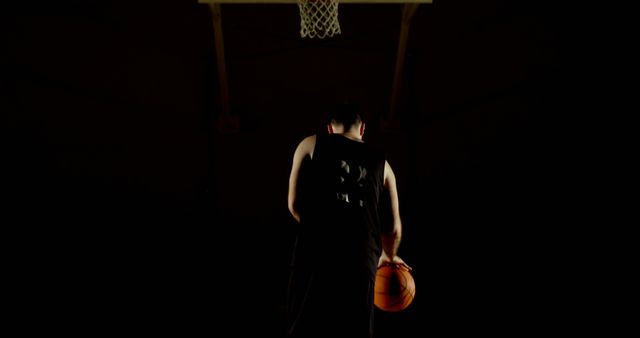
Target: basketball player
336,187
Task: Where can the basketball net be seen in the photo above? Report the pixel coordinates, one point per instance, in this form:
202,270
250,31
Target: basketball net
318,18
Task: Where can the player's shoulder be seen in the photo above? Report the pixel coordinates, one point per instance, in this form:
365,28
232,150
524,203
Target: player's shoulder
308,141
307,145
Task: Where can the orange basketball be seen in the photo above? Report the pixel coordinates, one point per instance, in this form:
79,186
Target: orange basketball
394,289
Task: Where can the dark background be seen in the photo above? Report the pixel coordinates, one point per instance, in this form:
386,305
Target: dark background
127,210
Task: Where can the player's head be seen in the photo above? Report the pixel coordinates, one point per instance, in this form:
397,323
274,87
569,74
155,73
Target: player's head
345,118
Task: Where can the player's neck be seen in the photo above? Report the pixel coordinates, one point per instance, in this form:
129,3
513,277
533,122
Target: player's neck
352,136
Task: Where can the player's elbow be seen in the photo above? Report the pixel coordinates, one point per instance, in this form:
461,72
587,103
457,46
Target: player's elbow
293,210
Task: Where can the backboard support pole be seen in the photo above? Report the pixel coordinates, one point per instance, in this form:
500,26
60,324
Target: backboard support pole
226,121
408,11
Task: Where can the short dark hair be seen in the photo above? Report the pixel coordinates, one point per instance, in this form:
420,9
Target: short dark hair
346,114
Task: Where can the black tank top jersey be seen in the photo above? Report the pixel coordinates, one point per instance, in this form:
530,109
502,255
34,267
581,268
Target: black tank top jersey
340,217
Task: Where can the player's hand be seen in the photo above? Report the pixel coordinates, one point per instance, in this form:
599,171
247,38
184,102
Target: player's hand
396,260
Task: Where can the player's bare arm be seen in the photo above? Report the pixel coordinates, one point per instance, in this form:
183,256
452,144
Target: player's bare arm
391,239
305,149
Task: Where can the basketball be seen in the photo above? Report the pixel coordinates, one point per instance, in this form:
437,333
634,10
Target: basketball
395,288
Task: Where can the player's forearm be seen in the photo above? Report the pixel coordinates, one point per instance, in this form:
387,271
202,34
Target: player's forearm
391,242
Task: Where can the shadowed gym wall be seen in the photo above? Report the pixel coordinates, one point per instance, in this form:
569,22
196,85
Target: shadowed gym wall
139,212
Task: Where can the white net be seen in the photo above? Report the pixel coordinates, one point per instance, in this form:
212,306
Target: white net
318,18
